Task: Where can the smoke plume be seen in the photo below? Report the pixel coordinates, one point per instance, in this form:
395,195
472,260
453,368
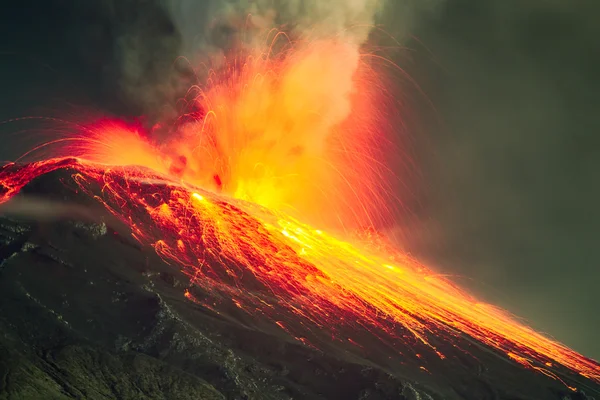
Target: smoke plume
151,35
217,25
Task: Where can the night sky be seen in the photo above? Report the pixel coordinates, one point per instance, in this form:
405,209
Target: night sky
509,190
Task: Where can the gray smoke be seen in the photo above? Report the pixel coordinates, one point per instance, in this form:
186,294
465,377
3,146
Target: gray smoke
217,25
203,31
213,25
42,210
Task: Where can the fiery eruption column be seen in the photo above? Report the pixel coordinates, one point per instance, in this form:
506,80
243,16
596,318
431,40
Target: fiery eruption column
277,130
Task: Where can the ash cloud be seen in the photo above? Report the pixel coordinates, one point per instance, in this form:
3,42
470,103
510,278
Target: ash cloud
204,31
216,25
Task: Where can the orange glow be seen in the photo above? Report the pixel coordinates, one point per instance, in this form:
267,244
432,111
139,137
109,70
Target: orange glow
114,142
294,131
268,126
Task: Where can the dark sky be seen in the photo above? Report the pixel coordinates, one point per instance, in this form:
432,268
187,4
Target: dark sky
511,190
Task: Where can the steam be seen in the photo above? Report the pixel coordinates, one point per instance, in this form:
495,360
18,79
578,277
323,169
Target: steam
42,210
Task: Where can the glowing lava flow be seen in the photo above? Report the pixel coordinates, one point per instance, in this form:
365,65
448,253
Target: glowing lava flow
294,134
272,265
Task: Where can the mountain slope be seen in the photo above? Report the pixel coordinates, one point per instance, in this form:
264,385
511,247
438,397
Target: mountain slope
88,312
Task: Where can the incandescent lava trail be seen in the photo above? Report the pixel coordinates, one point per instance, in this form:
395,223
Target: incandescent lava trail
280,150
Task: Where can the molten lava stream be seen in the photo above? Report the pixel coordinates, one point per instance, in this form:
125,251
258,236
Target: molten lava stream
273,265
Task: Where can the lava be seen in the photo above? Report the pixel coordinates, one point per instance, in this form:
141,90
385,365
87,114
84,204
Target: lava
303,279
281,140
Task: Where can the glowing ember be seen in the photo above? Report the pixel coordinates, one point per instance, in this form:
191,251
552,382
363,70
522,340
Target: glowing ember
278,132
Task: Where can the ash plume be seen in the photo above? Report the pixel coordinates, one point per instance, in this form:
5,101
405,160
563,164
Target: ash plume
204,31
213,30
310,56
217,25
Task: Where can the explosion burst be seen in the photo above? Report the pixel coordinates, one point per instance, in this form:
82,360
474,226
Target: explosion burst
295,129
277,136
275,131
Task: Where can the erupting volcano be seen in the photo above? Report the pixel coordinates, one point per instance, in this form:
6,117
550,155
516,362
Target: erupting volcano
256,195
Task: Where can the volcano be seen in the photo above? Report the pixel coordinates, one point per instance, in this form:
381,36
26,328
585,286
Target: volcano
120,283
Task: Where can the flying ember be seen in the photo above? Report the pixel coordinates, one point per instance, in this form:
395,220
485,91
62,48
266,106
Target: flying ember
270,143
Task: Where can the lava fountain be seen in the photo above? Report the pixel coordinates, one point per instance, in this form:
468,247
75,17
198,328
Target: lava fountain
297,129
